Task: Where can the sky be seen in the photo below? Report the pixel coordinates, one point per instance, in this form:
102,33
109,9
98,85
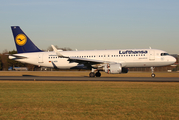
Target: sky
92,24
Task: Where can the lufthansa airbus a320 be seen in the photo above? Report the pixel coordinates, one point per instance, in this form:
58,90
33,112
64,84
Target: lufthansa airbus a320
111,61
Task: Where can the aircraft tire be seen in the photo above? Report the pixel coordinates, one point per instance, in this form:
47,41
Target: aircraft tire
152,75
92,74
98,74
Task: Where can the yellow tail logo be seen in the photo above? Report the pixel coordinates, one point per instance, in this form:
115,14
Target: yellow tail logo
21,39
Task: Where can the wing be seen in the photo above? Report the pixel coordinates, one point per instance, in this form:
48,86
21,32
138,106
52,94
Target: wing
84,61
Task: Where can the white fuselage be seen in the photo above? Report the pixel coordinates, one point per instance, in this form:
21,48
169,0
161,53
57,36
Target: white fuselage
127,58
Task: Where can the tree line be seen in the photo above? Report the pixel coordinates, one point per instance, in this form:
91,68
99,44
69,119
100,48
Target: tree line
5,62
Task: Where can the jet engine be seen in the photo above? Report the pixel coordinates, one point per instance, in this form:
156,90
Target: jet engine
115,69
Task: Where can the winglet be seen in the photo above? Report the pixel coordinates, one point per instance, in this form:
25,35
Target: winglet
57,52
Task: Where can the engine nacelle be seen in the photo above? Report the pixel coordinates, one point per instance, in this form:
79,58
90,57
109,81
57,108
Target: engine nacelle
115,69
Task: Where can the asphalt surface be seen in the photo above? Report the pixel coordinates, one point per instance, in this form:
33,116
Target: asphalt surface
127,79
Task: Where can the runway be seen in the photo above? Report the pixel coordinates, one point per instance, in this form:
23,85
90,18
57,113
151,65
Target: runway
116,79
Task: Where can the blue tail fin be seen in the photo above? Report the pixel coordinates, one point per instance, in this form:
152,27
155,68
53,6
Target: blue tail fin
22,41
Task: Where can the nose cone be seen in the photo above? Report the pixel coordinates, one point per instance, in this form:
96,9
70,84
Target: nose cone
172,59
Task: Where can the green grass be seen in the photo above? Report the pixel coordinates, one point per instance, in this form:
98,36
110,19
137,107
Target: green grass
88,100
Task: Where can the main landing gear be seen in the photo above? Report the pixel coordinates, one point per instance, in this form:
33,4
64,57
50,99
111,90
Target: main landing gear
93,74
152,69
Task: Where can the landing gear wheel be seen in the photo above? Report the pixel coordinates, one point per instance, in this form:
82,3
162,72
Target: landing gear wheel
98,74
92,74
152,69
152,75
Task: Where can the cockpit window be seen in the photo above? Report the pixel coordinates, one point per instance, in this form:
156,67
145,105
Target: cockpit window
164,54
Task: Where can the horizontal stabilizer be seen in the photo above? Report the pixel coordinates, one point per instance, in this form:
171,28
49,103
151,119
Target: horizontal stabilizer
14,57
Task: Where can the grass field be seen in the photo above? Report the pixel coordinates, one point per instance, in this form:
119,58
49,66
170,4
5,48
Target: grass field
88,100
85,73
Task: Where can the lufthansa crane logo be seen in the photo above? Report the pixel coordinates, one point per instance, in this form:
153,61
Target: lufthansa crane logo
21,39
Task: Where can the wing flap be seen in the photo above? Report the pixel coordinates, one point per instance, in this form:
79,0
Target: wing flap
85,61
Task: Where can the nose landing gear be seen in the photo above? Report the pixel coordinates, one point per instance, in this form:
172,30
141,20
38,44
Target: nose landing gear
152,69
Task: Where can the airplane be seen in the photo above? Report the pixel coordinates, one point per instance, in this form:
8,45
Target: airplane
110,61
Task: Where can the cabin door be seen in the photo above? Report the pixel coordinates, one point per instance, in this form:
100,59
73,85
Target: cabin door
40,60
151,55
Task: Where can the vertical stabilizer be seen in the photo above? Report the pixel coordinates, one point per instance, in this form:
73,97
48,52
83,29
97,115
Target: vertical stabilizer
22,41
